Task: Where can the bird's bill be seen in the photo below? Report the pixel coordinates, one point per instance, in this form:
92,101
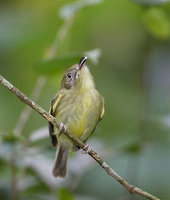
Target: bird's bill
82,62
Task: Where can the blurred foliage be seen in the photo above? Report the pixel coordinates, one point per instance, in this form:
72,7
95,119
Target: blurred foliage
60,63
157,22
151,2
128,45
65,194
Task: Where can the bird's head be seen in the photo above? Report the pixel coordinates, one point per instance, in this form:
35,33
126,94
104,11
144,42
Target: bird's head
78,76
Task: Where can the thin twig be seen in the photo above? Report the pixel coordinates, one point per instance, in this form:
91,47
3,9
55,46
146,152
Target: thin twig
132,189
60,36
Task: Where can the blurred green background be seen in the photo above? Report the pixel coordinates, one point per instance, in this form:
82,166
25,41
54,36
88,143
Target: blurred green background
128,45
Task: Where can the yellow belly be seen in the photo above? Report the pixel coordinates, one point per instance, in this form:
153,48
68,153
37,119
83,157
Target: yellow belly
74,115
79,114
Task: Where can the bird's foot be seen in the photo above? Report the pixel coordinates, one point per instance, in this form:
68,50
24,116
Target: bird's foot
62,128
86,149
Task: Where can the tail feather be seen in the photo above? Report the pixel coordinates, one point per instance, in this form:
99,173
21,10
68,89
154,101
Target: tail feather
60,163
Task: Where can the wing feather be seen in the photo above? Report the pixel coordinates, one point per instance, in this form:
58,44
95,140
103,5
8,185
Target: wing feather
103,110
53,110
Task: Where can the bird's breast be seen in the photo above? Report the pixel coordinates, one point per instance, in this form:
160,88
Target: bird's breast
76,111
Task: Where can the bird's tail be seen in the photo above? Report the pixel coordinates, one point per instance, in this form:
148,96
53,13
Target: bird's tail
60,163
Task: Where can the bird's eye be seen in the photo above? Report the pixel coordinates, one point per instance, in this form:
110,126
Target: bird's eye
69,75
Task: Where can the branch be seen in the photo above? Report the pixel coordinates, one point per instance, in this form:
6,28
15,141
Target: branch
132,189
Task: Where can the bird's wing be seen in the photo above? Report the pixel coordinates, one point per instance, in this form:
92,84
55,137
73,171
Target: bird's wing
102,110
53,111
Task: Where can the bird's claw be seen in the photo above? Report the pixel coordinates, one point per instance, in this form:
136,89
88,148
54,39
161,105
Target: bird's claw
86,149
62,128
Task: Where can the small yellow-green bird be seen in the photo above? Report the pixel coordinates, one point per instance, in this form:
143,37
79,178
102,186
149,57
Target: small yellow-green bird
77,107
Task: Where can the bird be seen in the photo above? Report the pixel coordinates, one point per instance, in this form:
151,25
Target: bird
77,107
